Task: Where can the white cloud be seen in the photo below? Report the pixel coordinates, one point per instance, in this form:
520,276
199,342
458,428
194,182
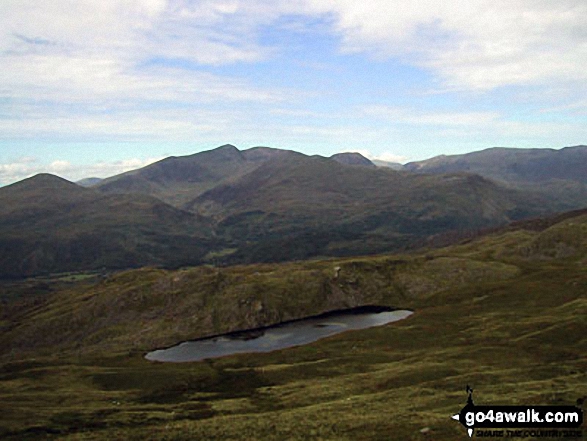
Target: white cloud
300,113
27,167
419,117
576,107
472,44
390,157
110,81
206,31
128,125
66,60
476,44
99,68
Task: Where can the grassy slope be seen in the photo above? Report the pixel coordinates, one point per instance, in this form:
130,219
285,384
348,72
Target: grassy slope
502,313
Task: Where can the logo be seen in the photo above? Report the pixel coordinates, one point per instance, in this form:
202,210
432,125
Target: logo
514,418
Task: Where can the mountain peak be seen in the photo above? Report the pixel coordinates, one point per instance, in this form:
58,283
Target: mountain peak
45,181
224,152
227,148
45,187
352,158
47,177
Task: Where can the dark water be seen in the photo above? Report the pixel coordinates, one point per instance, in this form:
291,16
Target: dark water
299,332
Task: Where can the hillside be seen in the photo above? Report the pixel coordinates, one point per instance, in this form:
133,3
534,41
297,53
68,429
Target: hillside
89,182
48,224
504,314
303,206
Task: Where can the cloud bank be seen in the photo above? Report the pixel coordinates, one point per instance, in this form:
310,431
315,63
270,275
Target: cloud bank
471,44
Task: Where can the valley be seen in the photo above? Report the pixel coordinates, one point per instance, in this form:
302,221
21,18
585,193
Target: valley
504,312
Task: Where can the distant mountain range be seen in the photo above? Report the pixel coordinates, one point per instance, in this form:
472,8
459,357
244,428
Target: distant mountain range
513,165
265,204
298,207
560,174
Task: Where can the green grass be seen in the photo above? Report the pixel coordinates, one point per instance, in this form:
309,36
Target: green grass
511,325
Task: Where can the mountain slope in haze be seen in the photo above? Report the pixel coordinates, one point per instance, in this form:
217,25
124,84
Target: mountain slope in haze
89,182
48,224
392,165
302,206
561,174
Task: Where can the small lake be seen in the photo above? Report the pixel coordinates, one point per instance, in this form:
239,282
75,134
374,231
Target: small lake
285,335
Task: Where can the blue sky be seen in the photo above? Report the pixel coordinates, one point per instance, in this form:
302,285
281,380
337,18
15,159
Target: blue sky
96,88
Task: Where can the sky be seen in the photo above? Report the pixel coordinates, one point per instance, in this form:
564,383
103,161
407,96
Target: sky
95,88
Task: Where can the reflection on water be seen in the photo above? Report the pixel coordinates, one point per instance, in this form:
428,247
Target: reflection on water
289,334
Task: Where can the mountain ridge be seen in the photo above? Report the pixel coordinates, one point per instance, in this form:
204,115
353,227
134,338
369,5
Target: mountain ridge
512,164
228,206
561,175
176,180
